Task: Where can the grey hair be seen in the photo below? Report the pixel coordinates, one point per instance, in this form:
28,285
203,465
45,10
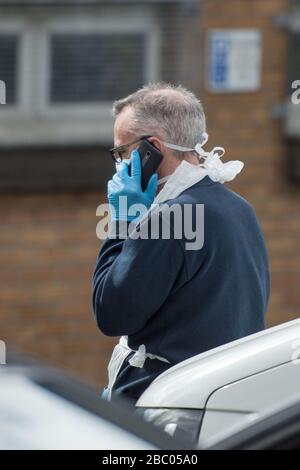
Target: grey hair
168,111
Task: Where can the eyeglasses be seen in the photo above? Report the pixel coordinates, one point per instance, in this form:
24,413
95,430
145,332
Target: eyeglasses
118,153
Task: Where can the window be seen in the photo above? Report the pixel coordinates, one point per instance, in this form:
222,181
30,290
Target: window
63,70
95,67
8,65
294,59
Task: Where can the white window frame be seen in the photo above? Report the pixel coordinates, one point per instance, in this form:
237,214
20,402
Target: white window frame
20,28
40,122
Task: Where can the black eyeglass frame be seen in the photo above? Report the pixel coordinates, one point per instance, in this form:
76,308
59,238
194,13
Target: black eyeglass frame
124,148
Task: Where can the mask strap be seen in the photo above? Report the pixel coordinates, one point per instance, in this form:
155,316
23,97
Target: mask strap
214,151
178,147
198,148
202,153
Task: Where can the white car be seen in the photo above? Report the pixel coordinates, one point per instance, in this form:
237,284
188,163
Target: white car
245,394
216,394
43,409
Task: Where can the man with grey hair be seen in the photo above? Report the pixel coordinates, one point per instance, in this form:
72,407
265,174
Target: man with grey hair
169,303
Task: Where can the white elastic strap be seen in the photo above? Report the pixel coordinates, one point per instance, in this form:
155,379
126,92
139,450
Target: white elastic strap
214,151
198,149
178,147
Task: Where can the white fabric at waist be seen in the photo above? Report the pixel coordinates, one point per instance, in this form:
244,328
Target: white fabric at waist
120,352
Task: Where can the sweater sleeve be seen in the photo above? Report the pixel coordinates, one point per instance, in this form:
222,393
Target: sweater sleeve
132,279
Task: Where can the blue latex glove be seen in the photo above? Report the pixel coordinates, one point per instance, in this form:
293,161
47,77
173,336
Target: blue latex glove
125,190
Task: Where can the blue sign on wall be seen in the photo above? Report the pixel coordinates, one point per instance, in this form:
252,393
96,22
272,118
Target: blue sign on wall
234,60
219,50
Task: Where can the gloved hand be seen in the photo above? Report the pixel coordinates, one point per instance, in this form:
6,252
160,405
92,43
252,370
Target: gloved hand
127,200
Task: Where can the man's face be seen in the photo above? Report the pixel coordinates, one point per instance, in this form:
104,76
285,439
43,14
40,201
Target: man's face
121,134
122,137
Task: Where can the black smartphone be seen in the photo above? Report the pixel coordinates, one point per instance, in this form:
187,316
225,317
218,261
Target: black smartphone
151,158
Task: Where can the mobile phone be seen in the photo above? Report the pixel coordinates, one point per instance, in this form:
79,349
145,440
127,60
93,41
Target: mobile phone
151,158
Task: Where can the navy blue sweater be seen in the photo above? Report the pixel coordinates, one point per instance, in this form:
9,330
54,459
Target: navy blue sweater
181,302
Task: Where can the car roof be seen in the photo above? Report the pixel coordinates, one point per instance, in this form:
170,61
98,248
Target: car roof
190,383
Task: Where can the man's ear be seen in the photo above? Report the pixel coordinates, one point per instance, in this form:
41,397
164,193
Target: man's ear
157,143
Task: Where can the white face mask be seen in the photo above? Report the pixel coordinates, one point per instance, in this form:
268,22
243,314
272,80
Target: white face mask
125,160
187,174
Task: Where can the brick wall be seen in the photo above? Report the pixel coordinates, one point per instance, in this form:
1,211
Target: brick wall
48,248
48,244
244,125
